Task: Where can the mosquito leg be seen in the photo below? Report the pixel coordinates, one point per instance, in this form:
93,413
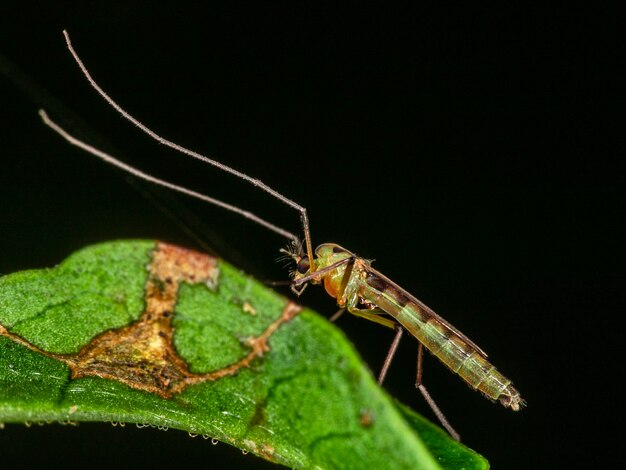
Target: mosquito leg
390,354
277,283
375,315
298,290
433,406
420,357
342,289
336,315
316,276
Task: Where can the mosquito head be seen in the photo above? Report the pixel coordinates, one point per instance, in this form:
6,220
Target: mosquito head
295,253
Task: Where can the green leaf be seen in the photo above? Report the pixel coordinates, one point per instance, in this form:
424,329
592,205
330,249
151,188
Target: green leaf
149,333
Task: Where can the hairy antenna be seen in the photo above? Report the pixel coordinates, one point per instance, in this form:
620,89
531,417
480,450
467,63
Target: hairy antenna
140,174
255,182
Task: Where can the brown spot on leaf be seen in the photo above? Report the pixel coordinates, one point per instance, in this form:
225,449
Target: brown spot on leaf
141,355
366,418
264,450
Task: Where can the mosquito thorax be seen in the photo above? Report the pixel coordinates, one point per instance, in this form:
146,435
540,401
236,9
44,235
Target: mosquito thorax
330,253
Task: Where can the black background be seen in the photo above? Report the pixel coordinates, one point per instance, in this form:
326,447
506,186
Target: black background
471,151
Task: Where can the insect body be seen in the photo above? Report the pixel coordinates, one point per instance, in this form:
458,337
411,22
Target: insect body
367,293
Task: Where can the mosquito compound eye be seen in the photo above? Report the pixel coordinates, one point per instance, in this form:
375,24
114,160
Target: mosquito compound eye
304,265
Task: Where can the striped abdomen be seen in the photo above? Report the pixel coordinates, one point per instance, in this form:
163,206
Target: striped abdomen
453,348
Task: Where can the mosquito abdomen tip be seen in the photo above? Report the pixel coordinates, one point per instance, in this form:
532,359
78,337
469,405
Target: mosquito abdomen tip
512,399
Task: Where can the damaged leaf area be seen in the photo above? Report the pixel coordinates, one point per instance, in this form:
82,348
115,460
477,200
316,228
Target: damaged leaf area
150,333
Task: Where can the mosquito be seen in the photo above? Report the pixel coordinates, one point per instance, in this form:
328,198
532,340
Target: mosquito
350,279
